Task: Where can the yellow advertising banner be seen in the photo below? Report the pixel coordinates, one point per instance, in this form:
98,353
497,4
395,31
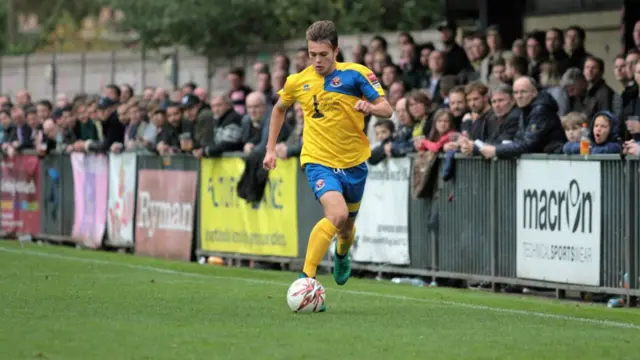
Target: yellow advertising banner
228,223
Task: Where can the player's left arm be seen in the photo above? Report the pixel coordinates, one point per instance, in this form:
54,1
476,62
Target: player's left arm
371,89
381,108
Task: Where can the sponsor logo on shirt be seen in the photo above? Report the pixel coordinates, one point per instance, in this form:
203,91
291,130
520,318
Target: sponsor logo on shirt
374,80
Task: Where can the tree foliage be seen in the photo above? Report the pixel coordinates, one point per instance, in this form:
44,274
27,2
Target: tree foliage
29,43
229,27
76,9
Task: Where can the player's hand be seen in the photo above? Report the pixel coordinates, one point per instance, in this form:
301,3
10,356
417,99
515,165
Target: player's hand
364,107
269,162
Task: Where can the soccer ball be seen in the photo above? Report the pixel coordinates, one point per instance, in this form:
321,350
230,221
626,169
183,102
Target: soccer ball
305,295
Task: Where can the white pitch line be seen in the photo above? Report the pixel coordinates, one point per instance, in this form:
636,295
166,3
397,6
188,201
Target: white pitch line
606,323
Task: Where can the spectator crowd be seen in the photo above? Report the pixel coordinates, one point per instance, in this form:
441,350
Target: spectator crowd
479,97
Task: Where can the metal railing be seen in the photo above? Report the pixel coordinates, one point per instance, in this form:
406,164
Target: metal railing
473,229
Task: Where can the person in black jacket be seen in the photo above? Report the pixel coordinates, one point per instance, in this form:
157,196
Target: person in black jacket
227,131
539,129
111,126
507,114
21,138
175,129
456,59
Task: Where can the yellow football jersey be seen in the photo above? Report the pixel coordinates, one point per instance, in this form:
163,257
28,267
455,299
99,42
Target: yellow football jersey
333,130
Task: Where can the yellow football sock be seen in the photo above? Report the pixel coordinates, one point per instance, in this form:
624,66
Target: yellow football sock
345,244
319,242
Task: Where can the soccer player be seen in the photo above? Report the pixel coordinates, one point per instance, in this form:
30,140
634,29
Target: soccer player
334,97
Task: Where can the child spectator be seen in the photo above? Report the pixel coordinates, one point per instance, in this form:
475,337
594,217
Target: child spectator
440,133
572,123
604,136
384,131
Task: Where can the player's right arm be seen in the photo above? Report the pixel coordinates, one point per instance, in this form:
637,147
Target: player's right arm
287,98
275,125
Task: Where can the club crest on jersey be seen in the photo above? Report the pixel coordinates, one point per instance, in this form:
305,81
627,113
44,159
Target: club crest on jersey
336,82
305,87
374,80
319,184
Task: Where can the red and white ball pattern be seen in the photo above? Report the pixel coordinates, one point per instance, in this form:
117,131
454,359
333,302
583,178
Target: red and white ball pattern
305,295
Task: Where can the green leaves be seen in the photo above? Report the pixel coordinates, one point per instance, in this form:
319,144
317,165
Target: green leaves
230,27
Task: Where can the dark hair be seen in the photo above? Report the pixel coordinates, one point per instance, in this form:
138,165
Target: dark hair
447,83
287,61
458,89
394,66
582,35
238,71
433,134
557,31
323,31
45,103
115,88
520,63
633,51
408,36
498,62
428,45
386,123
383,41
265,71
476,86
191,85
599,62
422,97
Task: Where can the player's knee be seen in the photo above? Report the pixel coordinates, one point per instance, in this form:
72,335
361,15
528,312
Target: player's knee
338,217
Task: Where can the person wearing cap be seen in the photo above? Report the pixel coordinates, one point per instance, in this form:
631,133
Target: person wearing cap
113,129
156,123
455,57
21,138
496,52
201,118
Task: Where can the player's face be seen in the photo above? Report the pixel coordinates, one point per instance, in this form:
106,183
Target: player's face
322,56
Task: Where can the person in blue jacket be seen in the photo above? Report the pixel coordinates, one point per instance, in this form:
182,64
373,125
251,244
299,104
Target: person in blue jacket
604,135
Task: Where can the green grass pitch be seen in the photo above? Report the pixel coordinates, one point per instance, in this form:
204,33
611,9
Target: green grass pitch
63,303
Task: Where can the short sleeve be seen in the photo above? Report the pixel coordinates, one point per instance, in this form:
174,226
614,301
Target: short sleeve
369,84
288,92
